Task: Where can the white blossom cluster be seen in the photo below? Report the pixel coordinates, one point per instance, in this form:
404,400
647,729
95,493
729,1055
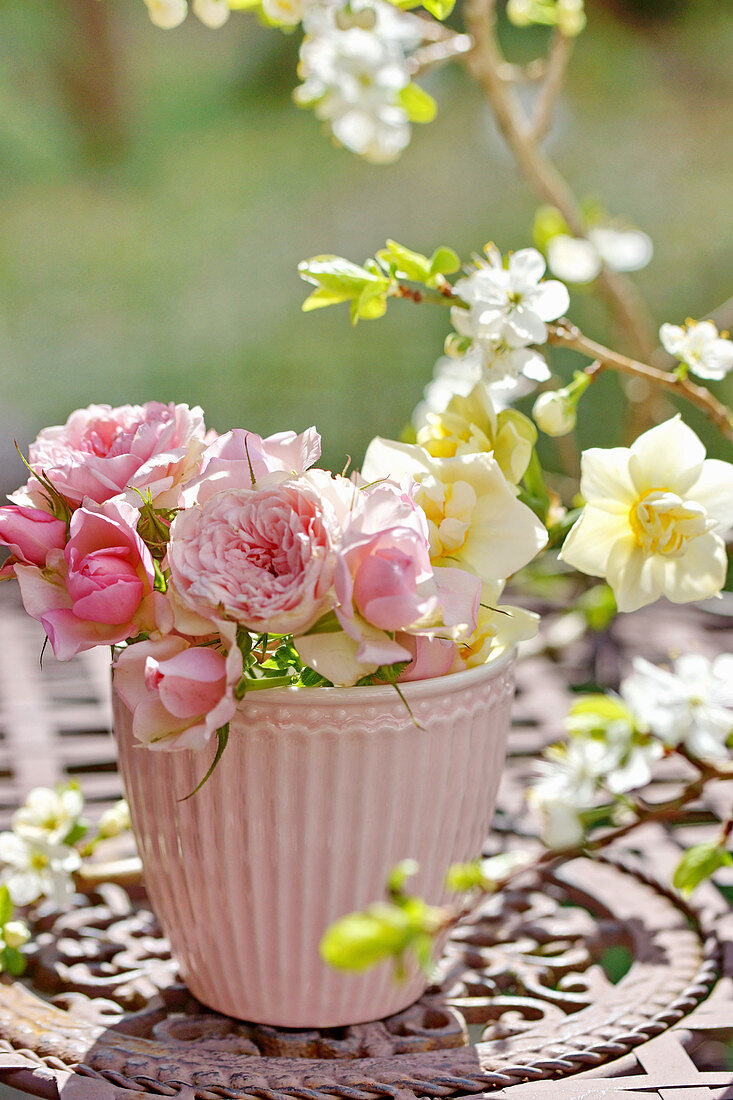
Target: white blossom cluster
38,855
613,743
353,64
508,306
698,344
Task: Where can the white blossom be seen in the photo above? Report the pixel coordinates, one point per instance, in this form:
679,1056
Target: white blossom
700,346
167,13
37,867
554,414
568,780
47,814
579,259
354,67
691,704
15,933
508,307
213,13
115,820
654,518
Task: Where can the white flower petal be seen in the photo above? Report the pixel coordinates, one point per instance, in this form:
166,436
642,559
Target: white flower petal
605,481
636,578
573,259
622,249
551,300
592,537
699,573
668,457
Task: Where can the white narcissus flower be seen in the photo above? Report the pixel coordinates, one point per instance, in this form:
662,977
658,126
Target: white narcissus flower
213,13
474,519
470,424
692,704
700,346
37,868
49,815
653,518
167,13
509,307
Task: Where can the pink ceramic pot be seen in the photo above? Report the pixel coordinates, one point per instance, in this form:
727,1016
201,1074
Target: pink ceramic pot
319,793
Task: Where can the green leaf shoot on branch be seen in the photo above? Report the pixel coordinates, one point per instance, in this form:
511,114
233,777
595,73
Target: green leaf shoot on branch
699,863
368,286
386,930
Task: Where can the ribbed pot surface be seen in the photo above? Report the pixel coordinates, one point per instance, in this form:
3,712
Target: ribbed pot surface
319,793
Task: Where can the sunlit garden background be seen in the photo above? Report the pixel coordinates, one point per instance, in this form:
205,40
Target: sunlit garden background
157,191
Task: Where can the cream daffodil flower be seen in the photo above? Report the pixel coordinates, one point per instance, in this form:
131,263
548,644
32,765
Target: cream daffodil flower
499,628
474,519
470,424
653,518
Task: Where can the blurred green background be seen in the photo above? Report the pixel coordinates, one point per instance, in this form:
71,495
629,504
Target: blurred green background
157,190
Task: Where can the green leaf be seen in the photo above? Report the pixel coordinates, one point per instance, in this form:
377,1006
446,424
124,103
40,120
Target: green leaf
444,261
6,906
599,606
361,940
222,736
463,877
405,263
699,863
441,9
536,496
337,274
322,297
12,961
78,830
418,105
399,875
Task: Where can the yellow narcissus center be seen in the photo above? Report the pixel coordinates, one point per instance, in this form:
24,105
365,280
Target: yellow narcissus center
449,508
662,523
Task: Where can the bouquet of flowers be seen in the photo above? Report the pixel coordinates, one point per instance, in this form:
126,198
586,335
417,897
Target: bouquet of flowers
223,565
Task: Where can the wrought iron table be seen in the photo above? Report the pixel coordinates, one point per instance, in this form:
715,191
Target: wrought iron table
593,981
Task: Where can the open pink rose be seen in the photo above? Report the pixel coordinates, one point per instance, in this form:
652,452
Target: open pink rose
233,459
101,452
99,589
30,534
261,557
179,694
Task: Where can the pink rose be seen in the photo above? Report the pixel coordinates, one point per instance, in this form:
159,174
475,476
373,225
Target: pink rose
99,589
233,459
384,578
30,534
102,452
261,557
179,695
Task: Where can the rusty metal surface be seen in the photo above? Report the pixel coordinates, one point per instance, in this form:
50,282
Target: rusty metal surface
528,991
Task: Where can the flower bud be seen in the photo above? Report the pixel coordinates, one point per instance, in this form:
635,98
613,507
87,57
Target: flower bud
15,933
167,13
115,820
554,413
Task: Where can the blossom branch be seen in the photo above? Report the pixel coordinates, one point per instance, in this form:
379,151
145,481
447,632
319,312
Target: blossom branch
567,335
560,52
485,63
439,51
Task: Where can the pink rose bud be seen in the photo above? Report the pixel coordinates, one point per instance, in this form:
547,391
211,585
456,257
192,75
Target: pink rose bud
29,534
189,684
104,585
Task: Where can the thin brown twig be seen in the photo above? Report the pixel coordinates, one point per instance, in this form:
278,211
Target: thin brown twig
568,335
485,63
561,49
455,45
